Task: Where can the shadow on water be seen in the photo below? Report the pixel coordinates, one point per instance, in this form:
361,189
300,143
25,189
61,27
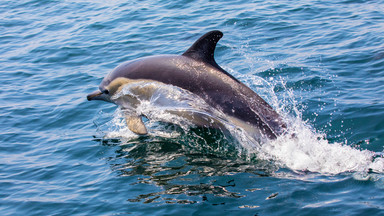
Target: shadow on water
191,165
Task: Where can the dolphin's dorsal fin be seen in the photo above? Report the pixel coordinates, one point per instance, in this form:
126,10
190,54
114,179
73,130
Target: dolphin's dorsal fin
203,49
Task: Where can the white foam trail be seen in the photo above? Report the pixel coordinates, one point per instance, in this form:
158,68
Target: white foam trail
309,151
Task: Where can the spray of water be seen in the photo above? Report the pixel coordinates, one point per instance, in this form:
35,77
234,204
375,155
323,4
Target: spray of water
307,150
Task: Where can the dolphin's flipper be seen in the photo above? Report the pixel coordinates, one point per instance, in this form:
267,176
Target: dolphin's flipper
136,125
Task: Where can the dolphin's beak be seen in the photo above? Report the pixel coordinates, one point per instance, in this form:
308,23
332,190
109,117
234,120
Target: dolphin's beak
96,95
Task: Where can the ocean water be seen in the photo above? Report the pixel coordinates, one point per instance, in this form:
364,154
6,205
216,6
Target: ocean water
320,64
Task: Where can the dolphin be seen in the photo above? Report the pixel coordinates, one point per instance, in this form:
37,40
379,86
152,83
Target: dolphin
197,72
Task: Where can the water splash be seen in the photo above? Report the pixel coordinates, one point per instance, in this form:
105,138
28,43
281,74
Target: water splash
308,150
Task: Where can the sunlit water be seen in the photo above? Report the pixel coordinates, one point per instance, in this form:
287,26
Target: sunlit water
319,64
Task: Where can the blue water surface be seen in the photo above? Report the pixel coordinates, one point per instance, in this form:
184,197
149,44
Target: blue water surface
322,60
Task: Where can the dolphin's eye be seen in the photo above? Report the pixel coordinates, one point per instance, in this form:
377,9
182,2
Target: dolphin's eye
106,91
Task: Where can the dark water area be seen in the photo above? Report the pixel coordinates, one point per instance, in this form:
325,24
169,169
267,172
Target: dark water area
320,64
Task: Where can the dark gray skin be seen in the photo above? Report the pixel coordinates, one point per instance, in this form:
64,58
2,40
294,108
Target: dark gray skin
197,71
